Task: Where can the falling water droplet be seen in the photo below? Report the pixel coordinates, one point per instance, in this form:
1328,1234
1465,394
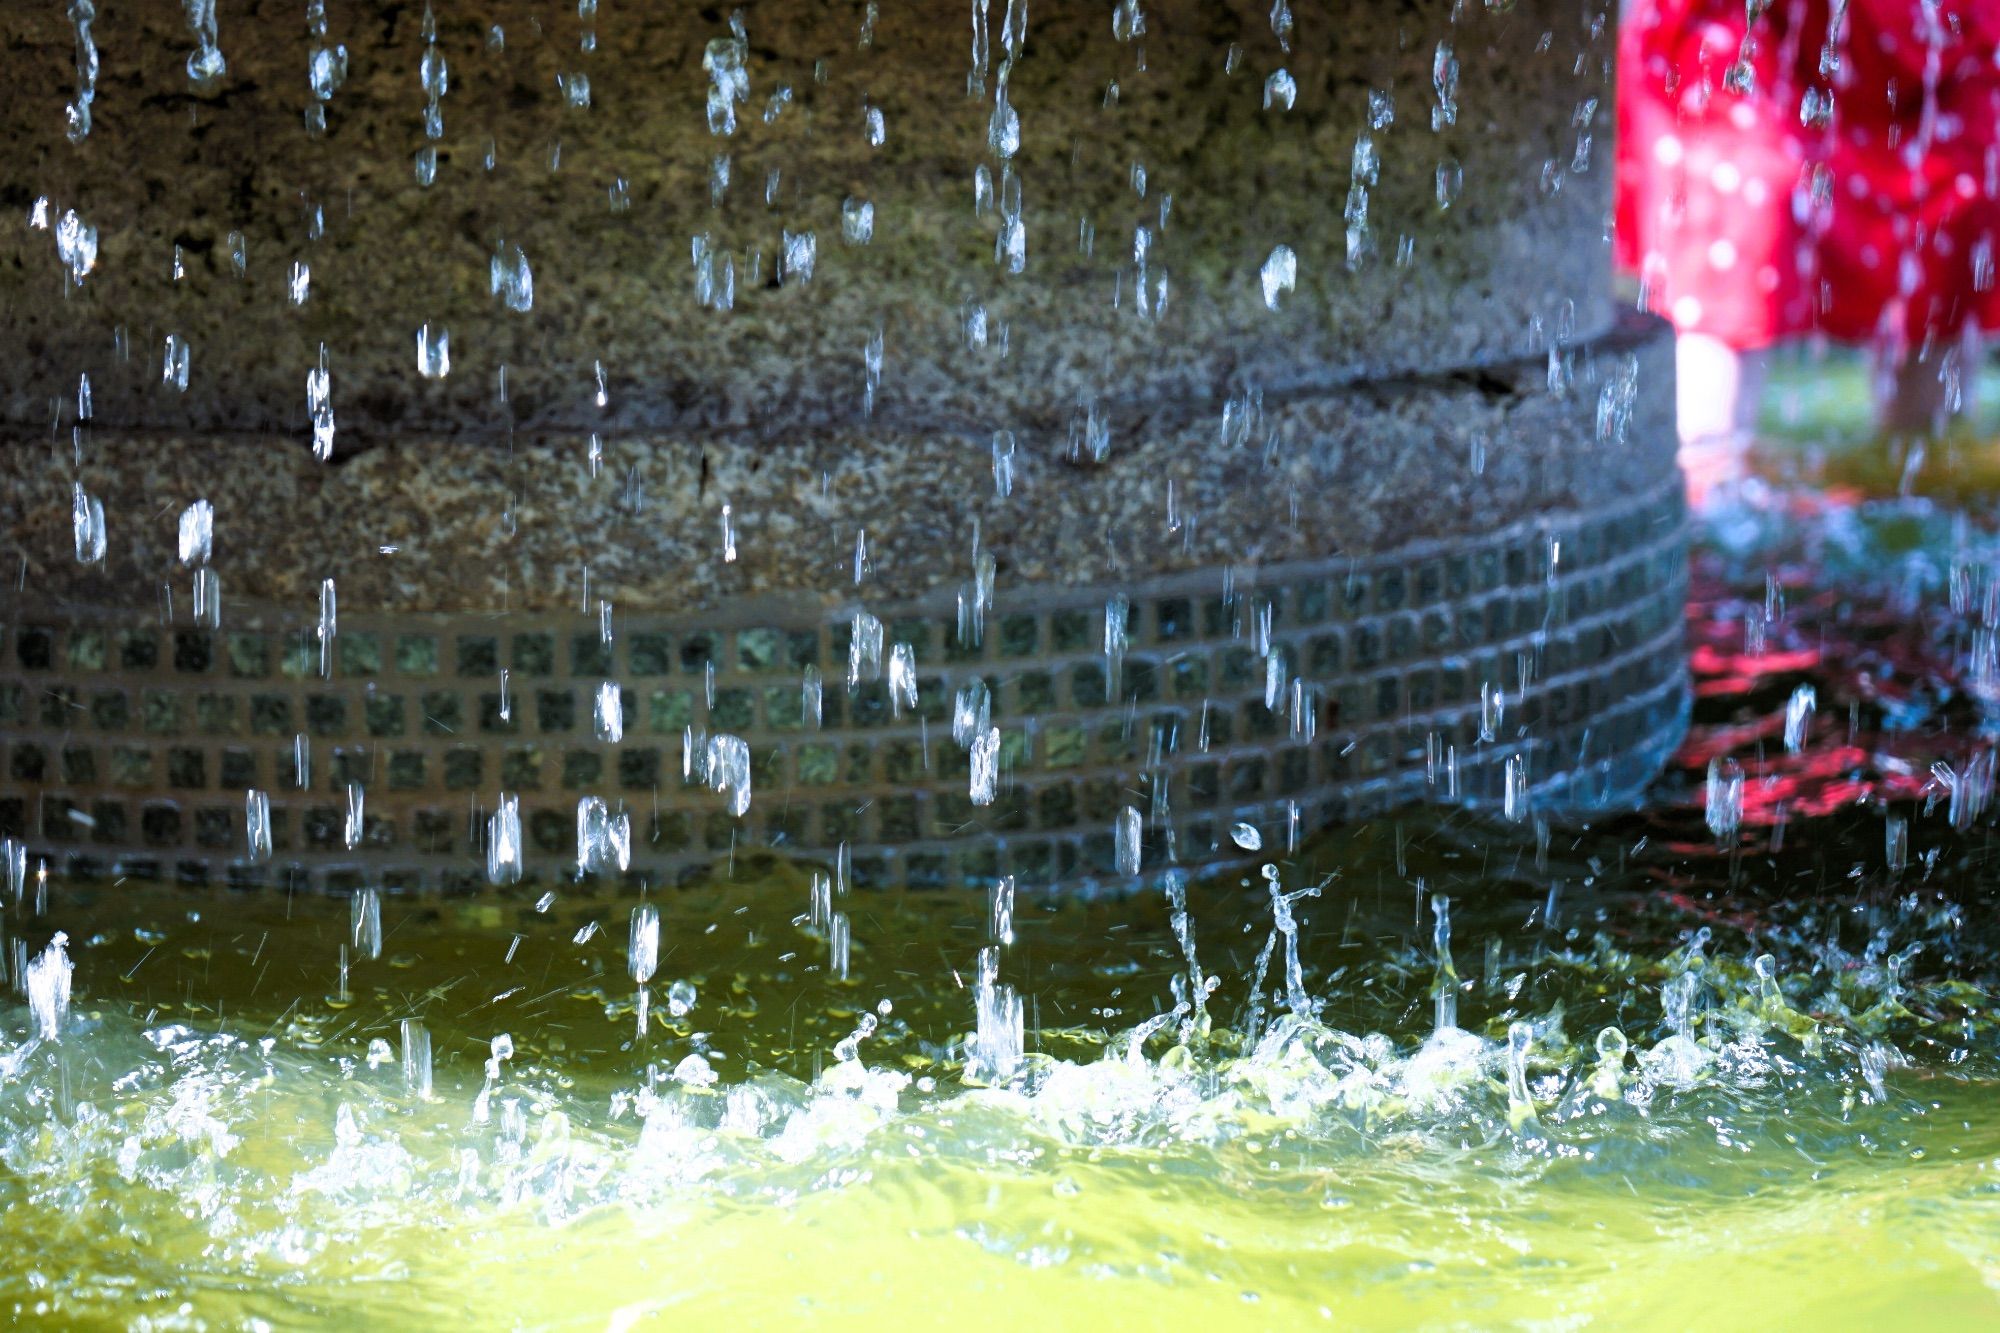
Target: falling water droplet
1279,274
433,352
511,279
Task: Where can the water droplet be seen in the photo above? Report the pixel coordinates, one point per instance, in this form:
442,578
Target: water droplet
603,840
433,352
257,824
1280,90
76,245
608,713
503,841
174,363
196,533
511,279
857,221
87,519
642,949
1279,274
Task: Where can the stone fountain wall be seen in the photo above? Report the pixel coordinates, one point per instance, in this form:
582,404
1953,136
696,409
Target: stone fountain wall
1338,518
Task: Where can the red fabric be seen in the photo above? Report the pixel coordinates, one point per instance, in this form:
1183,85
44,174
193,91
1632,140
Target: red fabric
1748,223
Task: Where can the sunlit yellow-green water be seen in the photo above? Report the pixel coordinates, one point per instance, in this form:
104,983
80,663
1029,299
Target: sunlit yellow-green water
208,1142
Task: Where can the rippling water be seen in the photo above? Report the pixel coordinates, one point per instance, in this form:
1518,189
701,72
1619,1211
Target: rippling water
1793,1121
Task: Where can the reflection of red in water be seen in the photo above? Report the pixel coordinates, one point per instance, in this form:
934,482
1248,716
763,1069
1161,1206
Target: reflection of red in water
1860,654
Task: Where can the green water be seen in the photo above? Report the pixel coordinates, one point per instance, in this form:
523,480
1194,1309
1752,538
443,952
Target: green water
163,1175
220,1134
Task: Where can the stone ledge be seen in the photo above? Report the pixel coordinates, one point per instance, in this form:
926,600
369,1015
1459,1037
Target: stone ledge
437,525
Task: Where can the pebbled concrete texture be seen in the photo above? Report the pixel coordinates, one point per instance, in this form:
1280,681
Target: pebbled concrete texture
455,525
1226,179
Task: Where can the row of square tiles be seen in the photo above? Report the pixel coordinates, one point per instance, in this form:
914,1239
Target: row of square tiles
790,816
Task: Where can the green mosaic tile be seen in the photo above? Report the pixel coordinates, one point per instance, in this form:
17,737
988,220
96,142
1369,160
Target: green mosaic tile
1019,636
1245,778
187,768
651,653
672,831
346,765
818,765
1070,631
950,764
417,654
384,715
87,650
478,655
1428,583
669,711
270,715
934,700
444,713
589,655
60,709
160,825
1086,685
161,712
521,768
555,710
639,769
237,768
298,656
858,762
216,714
491,719
138,650
1064,746
902,761
1098,799
784,708
360,654
213,829
761,650
868,704
462,769
734,710
1221,726
1034,693
1118,741
534,655
914,632
110,710
697,652
896,818
1311,602
407,771
131,766
35,647
113,821
326,714
582,768
247,655
1140,681
79,765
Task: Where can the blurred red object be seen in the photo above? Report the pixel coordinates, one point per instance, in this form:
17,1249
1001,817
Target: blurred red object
1837,173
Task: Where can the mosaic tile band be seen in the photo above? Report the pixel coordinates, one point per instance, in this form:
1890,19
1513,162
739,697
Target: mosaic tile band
130,744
